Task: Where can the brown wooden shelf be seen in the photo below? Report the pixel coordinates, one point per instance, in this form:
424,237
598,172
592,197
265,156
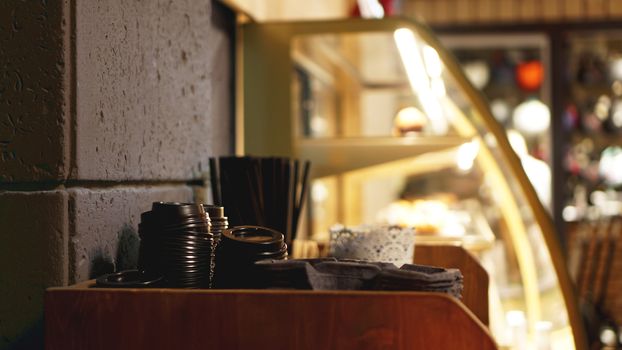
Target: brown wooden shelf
476,280
88,318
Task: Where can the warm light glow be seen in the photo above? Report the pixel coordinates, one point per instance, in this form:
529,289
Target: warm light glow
542,336
606,202
438,87
608,337
570,213
615,68
616,116
410,54
515,318
532,117
500,110
518,143
518,329
319,126
319,191
433,63
434,112
477,72
537,171
411,58
425,216
370,9
529,75
602,107
610,165
465,157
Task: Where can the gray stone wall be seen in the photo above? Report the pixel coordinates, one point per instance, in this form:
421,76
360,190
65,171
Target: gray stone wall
105,107
34,96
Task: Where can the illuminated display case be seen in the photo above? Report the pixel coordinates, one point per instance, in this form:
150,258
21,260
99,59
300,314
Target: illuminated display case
397,134
512,71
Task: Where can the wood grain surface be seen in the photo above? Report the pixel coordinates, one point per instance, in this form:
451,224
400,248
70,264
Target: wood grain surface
475,293
82,318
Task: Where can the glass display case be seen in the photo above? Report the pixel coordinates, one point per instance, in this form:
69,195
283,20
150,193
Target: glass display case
513,73
397,134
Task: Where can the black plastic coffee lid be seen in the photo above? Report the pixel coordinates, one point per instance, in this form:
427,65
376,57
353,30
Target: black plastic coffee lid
214,211
158,220
169,210
128,279
254,236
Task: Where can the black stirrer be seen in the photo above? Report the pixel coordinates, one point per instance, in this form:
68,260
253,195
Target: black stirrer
276,177
247,191
235,189
278,185
215,181
267,194
254,192
287,205
233,212
258,177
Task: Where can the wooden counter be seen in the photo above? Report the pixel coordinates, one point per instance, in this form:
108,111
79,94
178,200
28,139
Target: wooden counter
476,280
87,318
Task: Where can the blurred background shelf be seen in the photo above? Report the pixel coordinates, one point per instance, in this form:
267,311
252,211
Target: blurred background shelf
331,156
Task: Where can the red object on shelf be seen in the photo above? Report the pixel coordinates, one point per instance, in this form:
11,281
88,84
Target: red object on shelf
529,75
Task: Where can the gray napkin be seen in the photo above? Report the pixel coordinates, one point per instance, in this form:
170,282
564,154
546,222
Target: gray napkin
346,274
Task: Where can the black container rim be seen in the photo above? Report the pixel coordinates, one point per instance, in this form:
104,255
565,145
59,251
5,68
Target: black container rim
165,211
160,205
239,233
214,210
229,250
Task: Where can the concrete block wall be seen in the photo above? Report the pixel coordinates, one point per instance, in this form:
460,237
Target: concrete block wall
105,107
151,78
34,91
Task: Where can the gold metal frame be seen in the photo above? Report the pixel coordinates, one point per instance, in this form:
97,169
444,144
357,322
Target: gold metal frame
264,125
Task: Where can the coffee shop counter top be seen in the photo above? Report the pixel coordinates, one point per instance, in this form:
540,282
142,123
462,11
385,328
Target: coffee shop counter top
81,317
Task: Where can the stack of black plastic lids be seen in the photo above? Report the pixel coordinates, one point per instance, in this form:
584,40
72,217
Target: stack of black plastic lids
176,244
218,219
239,248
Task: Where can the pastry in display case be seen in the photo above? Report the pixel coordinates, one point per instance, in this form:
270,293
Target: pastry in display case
398,135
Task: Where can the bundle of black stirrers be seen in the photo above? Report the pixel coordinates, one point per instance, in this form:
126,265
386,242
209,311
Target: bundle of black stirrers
261,191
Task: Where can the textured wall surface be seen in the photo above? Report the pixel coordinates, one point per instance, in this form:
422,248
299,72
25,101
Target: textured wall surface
33,91
105,107
99,244
153,81
33,256
153,89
